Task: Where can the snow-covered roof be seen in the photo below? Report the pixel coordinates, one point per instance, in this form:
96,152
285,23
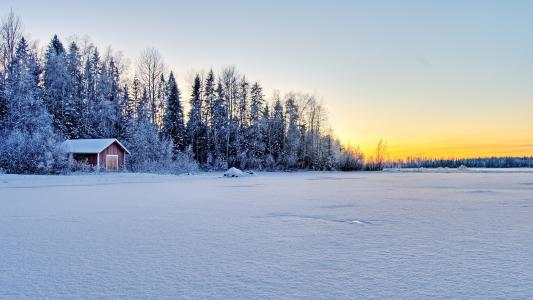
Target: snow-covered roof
90,145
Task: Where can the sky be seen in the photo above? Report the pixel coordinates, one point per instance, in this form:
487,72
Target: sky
431,78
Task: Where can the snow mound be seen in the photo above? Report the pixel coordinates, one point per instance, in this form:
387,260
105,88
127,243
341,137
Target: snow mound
234,172
462,168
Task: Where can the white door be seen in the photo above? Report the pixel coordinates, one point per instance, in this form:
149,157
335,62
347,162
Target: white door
111,162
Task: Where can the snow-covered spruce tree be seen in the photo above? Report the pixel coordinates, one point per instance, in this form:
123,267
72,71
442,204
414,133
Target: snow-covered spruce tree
74,93
219,129
132,107
243,108
240,138
115,90
107,94
134,98
3,103
266,132
174,128
56,88
209,101
125,114
195,128
277,133
256,141
29,144
90,76
292,141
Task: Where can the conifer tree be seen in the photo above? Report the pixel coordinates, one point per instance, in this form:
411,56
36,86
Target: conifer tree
135,98
74,93
90,76
292,141
56,87
266,132
255,132
174,127
124,113
241,143
3,102
105,115
277,132
243,103
195,127
219,128
209,101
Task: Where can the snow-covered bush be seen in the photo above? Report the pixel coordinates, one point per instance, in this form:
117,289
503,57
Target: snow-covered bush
220,164
80,166
24,153
269,162
184,162
149,153
350,159
152,154
149,157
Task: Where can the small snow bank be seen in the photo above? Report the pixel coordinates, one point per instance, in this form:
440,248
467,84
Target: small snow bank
234,172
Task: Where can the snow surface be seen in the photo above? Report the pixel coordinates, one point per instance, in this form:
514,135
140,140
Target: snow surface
401,235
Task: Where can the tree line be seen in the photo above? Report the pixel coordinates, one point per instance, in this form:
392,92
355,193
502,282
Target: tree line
487,162
71,91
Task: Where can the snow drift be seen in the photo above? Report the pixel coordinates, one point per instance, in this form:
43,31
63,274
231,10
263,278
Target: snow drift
234,172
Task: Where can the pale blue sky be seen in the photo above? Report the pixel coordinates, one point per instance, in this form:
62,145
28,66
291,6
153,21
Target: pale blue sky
415,73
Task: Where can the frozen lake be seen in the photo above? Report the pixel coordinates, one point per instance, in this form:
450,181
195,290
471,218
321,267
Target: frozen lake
276,235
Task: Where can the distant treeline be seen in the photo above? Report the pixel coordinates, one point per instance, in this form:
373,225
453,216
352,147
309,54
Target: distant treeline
491,162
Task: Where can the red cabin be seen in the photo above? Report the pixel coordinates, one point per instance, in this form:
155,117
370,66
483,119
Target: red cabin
106,154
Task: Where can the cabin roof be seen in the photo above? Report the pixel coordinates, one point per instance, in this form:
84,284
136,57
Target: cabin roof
90,145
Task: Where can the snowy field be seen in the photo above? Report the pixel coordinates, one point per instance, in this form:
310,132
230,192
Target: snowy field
405,235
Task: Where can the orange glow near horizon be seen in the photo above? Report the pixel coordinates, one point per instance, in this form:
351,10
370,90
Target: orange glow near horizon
445,149
488,143
441,126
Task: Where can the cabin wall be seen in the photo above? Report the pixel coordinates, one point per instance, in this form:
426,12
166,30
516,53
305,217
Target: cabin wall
113,149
